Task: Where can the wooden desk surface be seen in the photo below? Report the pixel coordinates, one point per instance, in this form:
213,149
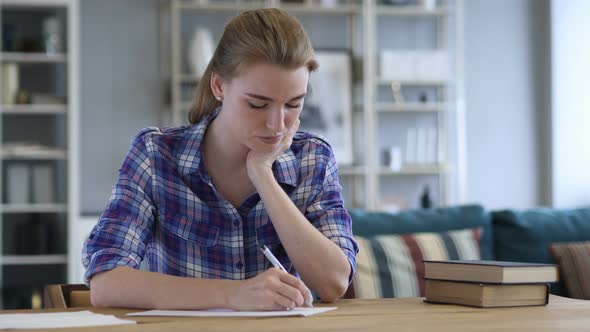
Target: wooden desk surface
403,314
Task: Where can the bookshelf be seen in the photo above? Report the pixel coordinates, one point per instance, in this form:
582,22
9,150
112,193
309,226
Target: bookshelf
38,146
378,120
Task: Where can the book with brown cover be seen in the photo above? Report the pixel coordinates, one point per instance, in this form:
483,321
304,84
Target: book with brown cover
495,272
486,295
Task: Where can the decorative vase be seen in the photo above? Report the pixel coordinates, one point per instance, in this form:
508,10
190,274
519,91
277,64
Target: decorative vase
200,51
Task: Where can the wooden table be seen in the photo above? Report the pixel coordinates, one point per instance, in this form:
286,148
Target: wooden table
403,314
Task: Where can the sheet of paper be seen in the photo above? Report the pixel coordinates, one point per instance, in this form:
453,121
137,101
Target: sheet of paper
230,313
58,320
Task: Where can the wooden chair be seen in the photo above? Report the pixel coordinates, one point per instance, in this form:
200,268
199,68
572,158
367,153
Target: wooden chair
66,296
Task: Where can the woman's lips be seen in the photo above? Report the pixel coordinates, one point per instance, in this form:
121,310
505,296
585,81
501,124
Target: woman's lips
269,139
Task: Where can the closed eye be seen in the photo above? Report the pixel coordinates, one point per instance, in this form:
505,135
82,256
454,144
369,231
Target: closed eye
257,107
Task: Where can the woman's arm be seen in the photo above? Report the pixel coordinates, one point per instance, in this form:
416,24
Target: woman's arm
130,288
320,262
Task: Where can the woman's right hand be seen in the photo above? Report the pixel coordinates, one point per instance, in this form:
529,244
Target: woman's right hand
270,290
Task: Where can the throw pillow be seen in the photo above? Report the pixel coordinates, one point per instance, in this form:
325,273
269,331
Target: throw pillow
391,265
444,219
525,235
574,266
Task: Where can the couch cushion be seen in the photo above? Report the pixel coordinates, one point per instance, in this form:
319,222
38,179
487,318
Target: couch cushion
368,224
574,266
525,236
391,265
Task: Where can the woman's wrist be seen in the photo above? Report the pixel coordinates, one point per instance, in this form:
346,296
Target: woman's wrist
229,292
258,174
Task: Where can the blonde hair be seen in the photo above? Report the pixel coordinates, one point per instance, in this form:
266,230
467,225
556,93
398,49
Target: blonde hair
267,35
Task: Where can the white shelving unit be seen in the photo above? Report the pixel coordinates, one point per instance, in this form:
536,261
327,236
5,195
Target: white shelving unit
363,181
442,109
21,123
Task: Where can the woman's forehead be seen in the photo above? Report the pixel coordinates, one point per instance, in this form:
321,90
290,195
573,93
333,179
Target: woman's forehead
273,76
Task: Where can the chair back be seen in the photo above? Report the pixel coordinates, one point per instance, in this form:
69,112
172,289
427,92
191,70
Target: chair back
66,296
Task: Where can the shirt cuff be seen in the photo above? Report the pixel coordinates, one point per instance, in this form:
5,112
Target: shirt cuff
108,259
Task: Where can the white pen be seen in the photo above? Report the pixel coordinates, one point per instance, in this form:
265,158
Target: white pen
275,262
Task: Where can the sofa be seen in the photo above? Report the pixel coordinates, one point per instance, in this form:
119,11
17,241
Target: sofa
392,246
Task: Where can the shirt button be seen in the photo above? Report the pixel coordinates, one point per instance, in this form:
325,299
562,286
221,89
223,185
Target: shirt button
239,265
236,223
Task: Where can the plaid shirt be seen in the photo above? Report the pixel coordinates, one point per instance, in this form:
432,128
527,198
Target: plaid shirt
164,208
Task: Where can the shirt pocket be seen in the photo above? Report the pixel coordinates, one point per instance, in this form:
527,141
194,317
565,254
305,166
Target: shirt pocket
196,232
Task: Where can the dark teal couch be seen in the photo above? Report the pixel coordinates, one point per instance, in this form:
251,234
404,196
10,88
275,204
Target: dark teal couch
508,235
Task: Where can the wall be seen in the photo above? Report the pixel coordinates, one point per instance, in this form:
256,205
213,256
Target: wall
505,84
120,88
570,51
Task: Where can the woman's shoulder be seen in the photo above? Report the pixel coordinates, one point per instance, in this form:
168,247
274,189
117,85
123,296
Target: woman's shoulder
163,142
160,136
307,138
151,133
306,144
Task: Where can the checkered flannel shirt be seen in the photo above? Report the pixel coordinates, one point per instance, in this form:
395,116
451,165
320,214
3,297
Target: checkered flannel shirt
164,209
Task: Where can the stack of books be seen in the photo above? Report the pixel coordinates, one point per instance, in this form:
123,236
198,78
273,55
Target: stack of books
488,283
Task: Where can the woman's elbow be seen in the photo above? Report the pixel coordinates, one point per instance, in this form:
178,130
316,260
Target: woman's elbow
334,290
99,296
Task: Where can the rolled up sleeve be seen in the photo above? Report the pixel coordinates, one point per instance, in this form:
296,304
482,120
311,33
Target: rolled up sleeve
120,236
327,213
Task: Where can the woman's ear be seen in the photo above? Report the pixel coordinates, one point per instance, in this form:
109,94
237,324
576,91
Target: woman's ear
217,85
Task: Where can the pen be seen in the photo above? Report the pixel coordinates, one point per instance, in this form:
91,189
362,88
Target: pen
275,262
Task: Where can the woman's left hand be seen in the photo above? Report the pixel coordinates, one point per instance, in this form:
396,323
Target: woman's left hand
258,162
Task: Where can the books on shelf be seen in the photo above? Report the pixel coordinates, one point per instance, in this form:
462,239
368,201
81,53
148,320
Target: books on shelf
488,283
486,295
43,184
491,271
18,185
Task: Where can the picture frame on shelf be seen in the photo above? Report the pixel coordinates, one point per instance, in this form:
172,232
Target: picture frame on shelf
327,110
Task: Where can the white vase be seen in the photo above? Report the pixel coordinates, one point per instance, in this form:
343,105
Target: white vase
200,51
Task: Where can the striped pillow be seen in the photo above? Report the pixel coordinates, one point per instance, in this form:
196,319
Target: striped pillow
574,264
391,265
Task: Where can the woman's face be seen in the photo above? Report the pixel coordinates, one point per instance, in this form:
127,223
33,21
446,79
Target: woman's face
262,103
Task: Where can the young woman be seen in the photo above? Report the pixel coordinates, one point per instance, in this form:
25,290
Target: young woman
198,202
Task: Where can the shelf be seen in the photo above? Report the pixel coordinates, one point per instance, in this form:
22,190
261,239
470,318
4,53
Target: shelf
35,4
415,170
33,259
182,106
351,171
33,208
33,109
291,8
387,81
318,9
35,155
187,78
391,10
410,107
33,57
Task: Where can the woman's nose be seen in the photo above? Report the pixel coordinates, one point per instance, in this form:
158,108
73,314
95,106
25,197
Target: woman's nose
276,121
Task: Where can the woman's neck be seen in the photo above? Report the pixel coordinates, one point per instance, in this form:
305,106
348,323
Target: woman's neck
221,151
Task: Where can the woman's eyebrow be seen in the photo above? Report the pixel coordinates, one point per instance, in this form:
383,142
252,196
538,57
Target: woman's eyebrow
253,95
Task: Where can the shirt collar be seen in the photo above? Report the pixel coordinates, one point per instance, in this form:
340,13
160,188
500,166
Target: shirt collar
189,161
285,168
192,154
